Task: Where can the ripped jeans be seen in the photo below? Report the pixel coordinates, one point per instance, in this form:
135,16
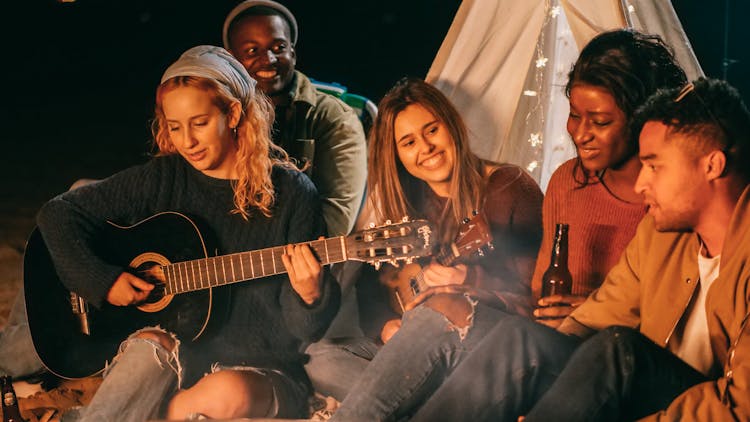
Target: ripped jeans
414,363
136,385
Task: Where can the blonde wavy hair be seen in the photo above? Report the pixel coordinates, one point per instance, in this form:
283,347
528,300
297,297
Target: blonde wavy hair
256,153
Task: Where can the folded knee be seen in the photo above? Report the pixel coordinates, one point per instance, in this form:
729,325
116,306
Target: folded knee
458,309
166,340
223,395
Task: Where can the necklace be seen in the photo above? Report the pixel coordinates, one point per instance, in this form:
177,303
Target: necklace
600,175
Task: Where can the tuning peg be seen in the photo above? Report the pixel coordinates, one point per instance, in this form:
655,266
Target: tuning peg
475,212
394,262
409,260
376,264
405,219
480,252
491,246
388,222
371,225
465,220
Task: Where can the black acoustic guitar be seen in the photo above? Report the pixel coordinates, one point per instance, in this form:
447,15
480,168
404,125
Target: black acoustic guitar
74,340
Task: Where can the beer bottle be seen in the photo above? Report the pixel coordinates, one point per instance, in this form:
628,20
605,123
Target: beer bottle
11,413
557,279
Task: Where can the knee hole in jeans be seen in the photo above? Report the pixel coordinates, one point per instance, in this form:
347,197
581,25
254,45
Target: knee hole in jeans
164,339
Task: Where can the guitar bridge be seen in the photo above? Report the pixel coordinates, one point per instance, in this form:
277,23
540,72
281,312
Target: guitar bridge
80,309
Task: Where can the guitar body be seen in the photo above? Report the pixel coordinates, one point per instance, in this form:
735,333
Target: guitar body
56,329
168,251
407,290
406,286
403,287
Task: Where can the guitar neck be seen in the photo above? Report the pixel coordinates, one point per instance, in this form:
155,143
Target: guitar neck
444,257
199,274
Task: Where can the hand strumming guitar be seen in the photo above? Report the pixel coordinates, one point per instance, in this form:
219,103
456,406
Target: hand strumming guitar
304,271
439,275
554,309
434,275
128,290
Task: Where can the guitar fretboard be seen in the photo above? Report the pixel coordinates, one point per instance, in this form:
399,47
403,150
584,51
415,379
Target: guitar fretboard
417,283
216,271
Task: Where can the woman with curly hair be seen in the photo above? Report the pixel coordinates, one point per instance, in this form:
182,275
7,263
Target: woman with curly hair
216,164
593,193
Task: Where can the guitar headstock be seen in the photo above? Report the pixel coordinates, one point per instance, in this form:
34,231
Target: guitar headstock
473,237
391,243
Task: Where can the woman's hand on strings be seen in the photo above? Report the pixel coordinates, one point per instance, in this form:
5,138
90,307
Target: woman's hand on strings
305,271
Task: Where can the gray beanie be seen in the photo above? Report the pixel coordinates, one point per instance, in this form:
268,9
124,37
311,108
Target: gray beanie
247,4
208,61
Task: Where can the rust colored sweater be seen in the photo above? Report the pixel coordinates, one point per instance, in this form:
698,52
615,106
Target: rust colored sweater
512,206
601,226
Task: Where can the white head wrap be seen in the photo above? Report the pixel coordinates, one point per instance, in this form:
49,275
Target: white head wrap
208,61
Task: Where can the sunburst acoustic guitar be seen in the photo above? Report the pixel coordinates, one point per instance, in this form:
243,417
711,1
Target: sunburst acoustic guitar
407,288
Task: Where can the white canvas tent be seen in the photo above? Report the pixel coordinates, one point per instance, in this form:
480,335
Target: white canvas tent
504,64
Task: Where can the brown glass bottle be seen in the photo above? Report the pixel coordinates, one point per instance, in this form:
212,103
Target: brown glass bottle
11,413
557,279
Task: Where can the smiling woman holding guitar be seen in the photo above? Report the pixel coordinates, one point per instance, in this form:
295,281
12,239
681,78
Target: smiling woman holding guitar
216,164
420,165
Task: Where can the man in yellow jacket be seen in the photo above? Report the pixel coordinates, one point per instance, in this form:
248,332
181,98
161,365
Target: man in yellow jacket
666,335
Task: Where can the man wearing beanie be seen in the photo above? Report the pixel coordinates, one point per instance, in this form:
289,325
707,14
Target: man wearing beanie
315,128
322,132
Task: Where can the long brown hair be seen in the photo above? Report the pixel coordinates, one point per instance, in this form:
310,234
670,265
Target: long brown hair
256,153
397,192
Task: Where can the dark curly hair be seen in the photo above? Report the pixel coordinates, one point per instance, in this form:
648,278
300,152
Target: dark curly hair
711,113
630,66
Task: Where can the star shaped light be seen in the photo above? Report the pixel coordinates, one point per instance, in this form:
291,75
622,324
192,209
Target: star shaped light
541,62
535,139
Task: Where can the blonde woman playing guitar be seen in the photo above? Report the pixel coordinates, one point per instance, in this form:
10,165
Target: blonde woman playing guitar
215,163
421,165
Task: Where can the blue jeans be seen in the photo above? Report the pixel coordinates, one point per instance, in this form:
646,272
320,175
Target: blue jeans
144,376
18,357
341,356
515,363
618,374
136,385
336,364
413,364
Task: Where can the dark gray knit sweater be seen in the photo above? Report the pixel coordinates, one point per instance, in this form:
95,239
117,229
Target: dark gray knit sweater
267,321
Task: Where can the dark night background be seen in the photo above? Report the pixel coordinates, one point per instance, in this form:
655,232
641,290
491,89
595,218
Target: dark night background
78,92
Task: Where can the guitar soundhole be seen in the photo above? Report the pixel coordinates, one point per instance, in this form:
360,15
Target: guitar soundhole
148,267
414,286
151,272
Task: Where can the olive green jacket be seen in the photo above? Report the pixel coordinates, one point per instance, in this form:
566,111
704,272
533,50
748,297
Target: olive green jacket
650,289
321,131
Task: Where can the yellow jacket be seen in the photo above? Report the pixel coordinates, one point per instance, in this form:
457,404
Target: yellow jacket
650,288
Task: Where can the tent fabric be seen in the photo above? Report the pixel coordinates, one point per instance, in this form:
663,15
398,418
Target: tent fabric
504,64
